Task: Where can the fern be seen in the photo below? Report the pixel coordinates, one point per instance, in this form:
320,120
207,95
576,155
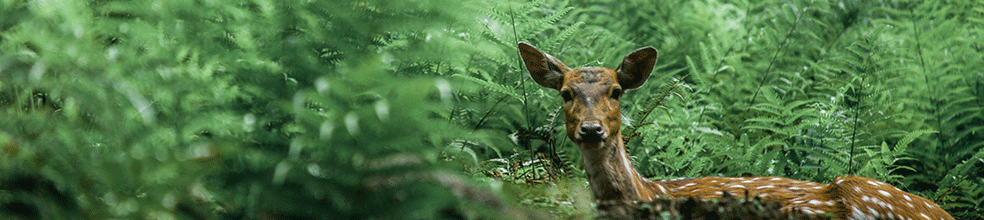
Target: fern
948,103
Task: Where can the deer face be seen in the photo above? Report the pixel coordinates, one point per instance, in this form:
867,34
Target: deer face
591,94
591,105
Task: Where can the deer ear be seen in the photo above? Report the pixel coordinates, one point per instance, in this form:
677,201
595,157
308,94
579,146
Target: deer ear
545,69
636,67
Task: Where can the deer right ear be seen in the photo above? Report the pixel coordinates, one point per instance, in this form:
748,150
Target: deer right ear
545,69
636,67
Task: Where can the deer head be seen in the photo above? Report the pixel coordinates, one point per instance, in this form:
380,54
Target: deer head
591,94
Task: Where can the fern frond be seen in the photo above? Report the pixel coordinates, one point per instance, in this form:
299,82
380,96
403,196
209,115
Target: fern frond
565,35
505,90
903,144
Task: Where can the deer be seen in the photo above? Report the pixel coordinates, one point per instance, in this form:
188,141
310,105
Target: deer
592,116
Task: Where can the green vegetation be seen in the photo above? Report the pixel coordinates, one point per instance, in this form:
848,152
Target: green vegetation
422,109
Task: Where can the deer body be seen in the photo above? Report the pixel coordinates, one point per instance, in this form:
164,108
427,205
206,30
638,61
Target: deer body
593,119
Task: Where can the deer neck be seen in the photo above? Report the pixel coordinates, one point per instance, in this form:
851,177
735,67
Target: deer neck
610,172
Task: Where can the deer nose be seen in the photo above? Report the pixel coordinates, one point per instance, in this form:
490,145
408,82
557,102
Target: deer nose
591,132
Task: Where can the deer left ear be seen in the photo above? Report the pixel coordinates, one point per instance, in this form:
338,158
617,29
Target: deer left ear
545,69
636,67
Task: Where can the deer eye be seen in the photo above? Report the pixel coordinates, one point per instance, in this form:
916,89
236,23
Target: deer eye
616,93
567,96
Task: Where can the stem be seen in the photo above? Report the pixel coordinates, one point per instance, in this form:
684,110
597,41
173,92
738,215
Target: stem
526,108
480,121
922,62
768,71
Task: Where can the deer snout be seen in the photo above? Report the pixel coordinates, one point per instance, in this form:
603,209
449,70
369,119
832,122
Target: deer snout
591,132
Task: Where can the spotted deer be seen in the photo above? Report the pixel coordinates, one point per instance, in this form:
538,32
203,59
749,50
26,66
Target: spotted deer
593,118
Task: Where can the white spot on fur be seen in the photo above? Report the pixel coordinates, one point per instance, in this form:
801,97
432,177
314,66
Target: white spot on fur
857,214
883,192
808,211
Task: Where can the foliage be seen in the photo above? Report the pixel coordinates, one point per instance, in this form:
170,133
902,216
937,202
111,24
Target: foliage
423,109
228,109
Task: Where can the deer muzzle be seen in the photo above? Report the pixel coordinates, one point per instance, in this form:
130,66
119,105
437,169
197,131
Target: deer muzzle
591,132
